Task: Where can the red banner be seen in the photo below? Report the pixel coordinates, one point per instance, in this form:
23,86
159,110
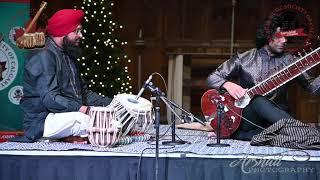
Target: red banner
290,33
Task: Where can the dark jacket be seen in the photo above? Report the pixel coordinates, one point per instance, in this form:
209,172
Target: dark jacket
52,84
250,68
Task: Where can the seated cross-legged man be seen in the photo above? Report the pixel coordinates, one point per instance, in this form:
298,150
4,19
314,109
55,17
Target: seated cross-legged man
56,98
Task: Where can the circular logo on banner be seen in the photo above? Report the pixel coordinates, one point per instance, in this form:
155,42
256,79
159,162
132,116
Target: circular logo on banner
15,94
297,26
8,65
15,32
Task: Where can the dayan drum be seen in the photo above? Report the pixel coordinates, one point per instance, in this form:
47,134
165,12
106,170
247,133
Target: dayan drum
131,114
104,129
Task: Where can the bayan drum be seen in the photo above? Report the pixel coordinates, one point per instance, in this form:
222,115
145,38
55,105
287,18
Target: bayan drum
104,129
133,114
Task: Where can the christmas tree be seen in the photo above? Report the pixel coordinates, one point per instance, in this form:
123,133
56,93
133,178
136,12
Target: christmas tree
103,61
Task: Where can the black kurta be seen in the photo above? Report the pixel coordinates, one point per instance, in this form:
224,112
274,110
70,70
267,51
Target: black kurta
52,84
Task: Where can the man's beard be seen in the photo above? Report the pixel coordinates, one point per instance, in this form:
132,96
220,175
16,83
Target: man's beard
71,49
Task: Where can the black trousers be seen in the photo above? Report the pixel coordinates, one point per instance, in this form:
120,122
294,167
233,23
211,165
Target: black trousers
262,112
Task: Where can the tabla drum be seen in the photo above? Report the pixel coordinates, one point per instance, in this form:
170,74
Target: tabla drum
104,129
133,114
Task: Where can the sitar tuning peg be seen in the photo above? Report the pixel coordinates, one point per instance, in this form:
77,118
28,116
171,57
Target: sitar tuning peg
307,43
300,54
305,52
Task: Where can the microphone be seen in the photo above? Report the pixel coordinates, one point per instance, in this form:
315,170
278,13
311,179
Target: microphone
141,90
144,85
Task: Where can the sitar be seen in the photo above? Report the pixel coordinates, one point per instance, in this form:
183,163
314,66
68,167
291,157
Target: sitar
232,115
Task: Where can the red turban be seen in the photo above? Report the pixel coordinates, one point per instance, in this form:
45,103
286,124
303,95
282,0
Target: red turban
64,21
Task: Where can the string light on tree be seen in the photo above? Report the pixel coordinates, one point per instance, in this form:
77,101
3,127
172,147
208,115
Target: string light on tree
104,63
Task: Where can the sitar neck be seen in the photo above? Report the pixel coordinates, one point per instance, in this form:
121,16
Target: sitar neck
287,74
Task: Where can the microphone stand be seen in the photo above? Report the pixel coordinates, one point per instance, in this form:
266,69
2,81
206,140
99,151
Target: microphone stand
161,96
166,100
220,109
171,105
158,94
173,132
157,126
